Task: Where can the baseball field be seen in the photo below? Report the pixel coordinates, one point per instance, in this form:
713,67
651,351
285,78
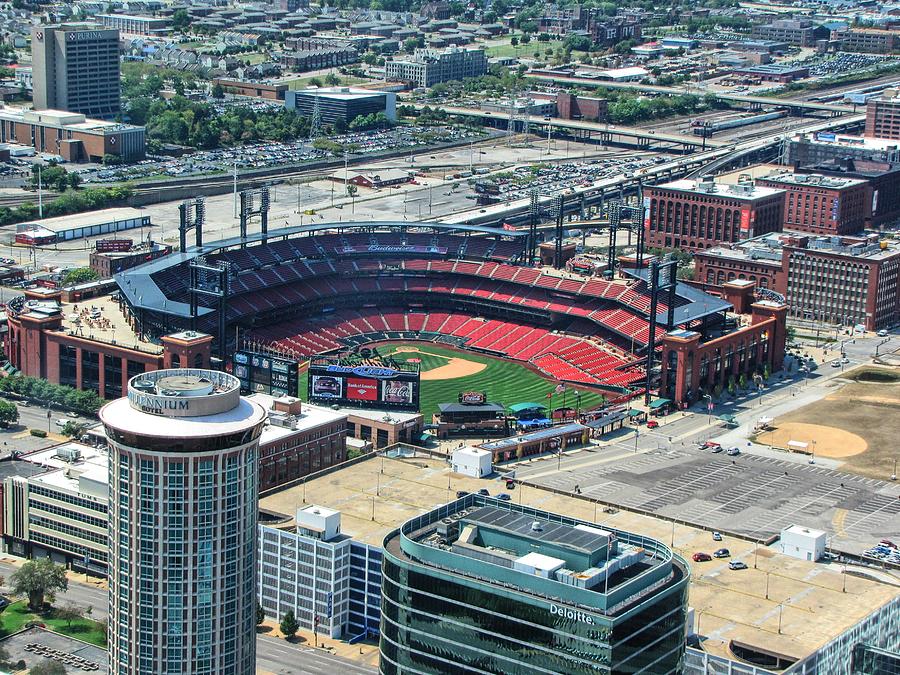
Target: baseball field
447,372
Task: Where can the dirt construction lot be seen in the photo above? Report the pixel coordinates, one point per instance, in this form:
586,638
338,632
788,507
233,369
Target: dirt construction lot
859,423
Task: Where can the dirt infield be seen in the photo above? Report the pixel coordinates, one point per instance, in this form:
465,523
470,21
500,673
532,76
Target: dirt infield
454,367
860,415
823,441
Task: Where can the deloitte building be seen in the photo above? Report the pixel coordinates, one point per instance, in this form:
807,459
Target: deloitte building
484,586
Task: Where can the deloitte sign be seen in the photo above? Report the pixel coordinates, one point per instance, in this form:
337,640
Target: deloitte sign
572,614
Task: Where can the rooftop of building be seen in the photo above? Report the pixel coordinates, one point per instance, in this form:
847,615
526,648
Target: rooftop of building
340,93
74,221
194,404
813,180
141,247
846,140
815,608
279,426
392,417
773,68
63,120
106,325
68,463
747,191
767,248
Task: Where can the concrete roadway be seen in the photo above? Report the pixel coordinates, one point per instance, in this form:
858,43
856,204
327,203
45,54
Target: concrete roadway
272,655
724,96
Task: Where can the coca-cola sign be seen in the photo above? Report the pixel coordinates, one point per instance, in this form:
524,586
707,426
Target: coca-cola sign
472,398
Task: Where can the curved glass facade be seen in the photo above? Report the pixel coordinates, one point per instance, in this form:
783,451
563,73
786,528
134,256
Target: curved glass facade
438,620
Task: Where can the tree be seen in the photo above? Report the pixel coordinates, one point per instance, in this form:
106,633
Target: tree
48,668
218,91
37,578
352,190
72,429
260,614
80,275
332,80
526,38
289,625
180,20
69,613
9,413
514,41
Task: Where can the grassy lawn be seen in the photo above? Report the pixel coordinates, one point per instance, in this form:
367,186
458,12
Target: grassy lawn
522,50
345,80
505,382
14,618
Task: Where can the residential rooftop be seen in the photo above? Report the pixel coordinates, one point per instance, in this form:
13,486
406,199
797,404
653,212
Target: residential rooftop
813,180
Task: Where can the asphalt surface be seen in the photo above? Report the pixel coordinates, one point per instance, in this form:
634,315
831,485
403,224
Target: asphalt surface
755,494
272,655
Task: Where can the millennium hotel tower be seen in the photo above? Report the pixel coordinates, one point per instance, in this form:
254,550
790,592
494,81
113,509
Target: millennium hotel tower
183,519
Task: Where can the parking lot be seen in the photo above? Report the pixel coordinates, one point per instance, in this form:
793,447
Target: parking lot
748,495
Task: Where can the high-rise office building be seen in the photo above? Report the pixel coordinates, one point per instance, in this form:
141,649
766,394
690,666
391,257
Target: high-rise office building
182,525
75,67
484,586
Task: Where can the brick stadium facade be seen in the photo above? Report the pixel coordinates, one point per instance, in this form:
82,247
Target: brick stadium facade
692,368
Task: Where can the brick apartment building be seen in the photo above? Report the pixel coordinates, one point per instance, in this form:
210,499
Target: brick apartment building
602,29
841,280
820,204
71,135
799,32
882,186
573,107
692,215
871,40
263,90
883,115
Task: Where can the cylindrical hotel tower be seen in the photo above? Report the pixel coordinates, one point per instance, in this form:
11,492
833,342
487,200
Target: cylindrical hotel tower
182,519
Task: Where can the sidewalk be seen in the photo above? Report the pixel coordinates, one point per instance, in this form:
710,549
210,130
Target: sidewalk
363,652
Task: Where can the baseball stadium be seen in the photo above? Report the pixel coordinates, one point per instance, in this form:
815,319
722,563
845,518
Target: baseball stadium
462,300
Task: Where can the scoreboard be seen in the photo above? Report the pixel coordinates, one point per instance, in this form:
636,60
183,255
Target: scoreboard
366,386
267,374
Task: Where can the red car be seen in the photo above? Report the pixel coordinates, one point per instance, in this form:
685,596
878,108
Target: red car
652,424
701,557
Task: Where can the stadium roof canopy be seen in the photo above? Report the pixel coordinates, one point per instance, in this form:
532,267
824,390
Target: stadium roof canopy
698,304
142,292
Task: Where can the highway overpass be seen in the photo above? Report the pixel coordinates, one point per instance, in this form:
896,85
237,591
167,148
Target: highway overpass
811,106
583,202
597,130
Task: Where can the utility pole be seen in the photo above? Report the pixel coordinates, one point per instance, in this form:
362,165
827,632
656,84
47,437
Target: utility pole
234,191
40,193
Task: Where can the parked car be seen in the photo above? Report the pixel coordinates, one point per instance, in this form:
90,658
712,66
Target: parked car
717,448
737,565
722,553
732,452
72,414
652,424
717,536
61,422
484,492
836,363
701,557
504,497
510,485
461,493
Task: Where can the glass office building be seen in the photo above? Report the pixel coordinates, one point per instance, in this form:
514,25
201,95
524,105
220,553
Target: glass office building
485,586
182,525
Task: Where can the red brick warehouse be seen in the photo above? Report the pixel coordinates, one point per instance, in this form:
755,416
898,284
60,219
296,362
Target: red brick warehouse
692,215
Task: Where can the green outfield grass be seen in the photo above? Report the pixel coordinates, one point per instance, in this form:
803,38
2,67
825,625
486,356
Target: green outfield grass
505,382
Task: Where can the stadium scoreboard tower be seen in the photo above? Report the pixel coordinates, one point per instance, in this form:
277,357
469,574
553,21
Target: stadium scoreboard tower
266,373
364,383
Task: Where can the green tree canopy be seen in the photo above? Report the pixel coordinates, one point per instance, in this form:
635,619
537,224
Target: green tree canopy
37,579
289,625
80,275
9,413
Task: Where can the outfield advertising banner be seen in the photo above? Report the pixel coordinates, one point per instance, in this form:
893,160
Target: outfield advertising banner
366,386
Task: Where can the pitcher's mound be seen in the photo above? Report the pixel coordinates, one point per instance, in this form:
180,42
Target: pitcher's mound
829,441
